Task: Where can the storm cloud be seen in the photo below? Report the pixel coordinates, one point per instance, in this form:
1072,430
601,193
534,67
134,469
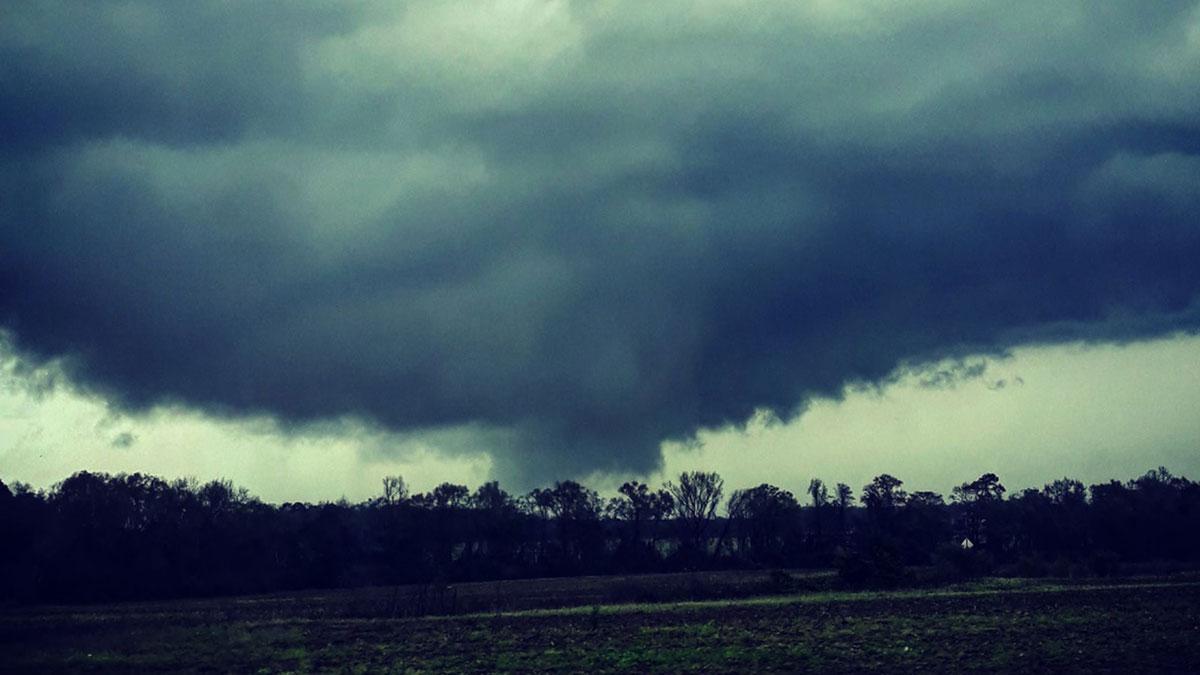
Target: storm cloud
584,228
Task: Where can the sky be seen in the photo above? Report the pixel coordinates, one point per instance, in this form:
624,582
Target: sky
304,245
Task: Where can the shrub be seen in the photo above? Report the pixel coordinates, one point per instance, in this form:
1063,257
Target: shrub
1031,566
954,562
876,565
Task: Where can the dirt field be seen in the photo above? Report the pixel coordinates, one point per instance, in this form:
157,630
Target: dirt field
1129,625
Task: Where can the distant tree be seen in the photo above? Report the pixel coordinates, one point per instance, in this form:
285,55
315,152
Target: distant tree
767,519
924,525
637,504
820,497
395,490
980,500
875,556
538,502
6,520
1112,491
395,530
986,488
1114,517
495,527
221,499
537,505
489,497
12,546
843,499
1164,507
97,536
447,503
696,498
1065,492
571,501
924,499
882,497
575,511
641,510
450,496
1155,478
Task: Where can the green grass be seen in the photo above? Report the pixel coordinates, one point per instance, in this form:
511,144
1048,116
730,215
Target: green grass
994,625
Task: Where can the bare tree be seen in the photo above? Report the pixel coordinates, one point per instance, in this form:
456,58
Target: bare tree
395,490
696,497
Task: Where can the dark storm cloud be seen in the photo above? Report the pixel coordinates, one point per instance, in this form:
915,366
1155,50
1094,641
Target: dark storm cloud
587,227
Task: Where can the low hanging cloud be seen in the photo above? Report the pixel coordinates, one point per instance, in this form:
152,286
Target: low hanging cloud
584,228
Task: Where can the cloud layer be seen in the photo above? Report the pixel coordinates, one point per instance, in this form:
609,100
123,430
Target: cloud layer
584,228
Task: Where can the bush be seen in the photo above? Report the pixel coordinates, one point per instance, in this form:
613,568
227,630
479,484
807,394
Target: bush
954,562
1031,566
875,565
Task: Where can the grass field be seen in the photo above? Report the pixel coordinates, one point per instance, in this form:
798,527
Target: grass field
1145,624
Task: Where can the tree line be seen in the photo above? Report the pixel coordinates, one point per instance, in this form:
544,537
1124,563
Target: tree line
97,537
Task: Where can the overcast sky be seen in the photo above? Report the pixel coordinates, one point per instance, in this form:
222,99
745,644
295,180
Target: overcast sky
305,244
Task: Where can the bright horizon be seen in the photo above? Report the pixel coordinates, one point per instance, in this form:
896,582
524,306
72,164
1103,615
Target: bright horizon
933,438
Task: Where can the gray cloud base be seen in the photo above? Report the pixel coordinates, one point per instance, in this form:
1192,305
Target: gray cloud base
587,227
